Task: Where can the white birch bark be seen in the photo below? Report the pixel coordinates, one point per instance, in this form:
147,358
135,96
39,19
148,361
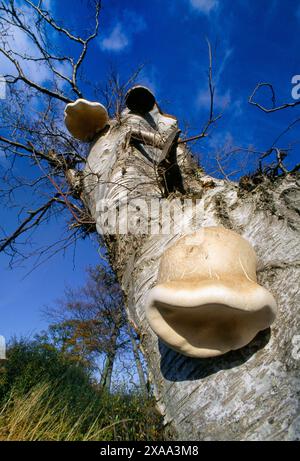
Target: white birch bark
249,394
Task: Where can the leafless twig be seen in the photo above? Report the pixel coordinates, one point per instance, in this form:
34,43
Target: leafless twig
212,119
274,108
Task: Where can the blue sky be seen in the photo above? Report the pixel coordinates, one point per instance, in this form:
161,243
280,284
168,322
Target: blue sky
252,41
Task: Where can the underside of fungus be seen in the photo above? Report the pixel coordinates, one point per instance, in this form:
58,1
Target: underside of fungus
139,99
207,301
84,119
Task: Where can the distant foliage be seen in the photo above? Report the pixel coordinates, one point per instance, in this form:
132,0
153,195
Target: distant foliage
45,397
89,325
30,362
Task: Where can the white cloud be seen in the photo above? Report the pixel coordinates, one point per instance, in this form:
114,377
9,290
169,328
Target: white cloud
19,42
117,40
121,34
221,140
47,4
134,22
221,100
204,6
2,88
225,57
149,77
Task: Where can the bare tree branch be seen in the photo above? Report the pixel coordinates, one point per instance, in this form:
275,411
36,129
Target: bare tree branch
31,221
273,98
21,76
212,118
13,16
84,42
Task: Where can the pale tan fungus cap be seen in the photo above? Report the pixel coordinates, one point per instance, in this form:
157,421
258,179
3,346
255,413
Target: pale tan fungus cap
207,301
84,119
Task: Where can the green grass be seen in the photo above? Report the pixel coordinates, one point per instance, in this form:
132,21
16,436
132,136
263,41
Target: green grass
42,414
44,396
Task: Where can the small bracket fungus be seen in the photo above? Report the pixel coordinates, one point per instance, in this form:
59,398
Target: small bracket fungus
84,119
207,300
139,99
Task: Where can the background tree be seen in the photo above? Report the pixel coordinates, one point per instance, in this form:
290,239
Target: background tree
46,396
90,326
246,394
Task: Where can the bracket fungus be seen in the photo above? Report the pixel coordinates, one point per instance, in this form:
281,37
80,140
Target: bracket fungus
84,119
139,99
207,300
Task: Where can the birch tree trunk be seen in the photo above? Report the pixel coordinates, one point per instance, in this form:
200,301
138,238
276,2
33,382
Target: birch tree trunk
106,376
248,394
138,363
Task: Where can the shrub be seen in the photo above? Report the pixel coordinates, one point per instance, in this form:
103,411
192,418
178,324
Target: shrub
46,397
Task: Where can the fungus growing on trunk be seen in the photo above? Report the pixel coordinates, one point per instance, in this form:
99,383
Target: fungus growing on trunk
207,300
139,99
84,119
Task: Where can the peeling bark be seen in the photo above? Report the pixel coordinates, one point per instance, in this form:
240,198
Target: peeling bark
248,394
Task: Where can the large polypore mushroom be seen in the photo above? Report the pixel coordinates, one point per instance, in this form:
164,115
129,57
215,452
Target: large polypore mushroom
139,99
84,119
207,300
